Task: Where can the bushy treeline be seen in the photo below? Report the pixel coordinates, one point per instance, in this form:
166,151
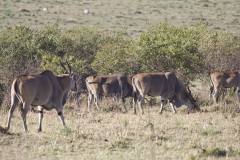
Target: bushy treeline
188,50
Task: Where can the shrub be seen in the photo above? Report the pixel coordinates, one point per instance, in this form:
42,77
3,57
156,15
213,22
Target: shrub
78,46
189,50
166,47
18,52
220,49
114,55
48,40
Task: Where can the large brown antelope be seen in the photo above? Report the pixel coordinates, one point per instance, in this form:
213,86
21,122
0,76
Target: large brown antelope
167,86
117,86
223,80
44,90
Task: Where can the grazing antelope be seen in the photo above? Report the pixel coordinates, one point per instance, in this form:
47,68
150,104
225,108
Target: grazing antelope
167,86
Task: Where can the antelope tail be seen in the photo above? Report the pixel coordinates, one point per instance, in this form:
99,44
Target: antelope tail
15,92
135,88
134,85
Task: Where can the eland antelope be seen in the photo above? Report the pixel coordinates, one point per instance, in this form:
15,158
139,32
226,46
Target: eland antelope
167,86
223,80
117,86
44,90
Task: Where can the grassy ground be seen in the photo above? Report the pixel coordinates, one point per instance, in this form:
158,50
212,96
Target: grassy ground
133,16
212,134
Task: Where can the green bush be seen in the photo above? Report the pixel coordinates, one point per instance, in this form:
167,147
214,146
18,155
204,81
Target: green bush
114,55
49,39
167,47
189,50
221,50
18,52
78,46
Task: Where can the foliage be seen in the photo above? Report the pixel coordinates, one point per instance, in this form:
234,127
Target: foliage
18,52
166,47
188,50
49,40
77,46
220,49
114,55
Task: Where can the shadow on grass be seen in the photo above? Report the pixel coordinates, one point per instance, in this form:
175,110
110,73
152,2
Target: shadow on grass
219,152
216,152
3,131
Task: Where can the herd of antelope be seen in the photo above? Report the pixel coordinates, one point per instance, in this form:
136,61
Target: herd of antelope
47,91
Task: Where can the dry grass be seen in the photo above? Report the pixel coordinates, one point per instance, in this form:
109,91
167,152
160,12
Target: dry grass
133,16
212,134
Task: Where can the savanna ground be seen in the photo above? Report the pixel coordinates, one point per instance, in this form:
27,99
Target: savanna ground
133,16
211,134
108,134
